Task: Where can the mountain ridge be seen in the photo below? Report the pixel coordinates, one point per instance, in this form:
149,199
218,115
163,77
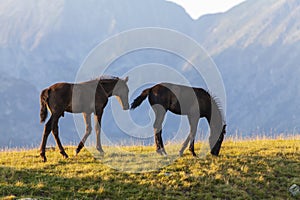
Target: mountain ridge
248,29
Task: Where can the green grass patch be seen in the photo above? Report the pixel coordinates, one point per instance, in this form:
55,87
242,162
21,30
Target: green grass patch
259,169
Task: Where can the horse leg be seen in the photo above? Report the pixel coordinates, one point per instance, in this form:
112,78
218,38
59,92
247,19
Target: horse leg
98,118
88,129
56,137
192,148
193,121
159,118
193,124
47,130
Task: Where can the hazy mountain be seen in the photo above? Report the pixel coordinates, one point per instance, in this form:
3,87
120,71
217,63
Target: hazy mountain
255,45
19,106
47,43
253,23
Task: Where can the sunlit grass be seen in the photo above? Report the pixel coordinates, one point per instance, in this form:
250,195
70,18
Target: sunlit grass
253,169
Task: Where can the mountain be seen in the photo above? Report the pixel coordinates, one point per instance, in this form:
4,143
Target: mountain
273,22
255,45
39,40
19,105
257,56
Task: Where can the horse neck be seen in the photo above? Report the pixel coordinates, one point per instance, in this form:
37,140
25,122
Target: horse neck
108,86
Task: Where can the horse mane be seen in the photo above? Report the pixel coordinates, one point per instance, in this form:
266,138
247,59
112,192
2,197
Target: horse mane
217,103
104,78
108,77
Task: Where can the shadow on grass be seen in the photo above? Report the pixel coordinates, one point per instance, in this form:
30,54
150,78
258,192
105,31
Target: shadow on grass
42,185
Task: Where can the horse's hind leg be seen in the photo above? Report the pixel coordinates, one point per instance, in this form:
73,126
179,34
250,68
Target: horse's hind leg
98,119
56,137
47,130
193,121
159,118
88,129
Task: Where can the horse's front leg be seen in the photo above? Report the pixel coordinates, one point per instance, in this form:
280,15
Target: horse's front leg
88,130
192,147
98,118
193,121
56,137
159,118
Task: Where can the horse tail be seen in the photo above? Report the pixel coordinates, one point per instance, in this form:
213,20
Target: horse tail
44,101
140,99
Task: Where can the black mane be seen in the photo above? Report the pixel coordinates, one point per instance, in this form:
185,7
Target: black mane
108,77
216,101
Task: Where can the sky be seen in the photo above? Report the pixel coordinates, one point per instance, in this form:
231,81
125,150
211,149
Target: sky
197,8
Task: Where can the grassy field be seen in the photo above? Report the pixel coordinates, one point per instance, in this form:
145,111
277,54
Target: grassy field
257,169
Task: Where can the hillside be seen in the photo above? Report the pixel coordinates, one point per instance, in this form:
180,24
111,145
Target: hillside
274,23
260,169
257,56
258,59
17,107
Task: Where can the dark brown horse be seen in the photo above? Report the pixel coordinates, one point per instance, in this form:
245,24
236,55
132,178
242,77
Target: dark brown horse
87,98
182,100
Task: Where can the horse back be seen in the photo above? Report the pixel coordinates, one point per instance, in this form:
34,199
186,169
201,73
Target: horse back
87,97
76,97
178,99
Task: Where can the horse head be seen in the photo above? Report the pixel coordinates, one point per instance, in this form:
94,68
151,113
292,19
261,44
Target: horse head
121,92
215,150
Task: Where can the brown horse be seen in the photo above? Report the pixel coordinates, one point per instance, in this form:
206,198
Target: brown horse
87,98
182,100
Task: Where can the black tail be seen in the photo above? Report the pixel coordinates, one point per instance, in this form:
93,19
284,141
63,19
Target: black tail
140,99
44,101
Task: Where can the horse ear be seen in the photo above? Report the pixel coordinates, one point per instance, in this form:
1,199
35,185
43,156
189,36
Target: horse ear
126,79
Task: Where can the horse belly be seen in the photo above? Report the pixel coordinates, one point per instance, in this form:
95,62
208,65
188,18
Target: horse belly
175,108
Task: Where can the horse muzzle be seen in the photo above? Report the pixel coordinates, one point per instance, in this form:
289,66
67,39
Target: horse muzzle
126,107
217,147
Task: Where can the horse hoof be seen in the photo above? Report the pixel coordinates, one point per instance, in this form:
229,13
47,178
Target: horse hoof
64,154
161,152
100,150
180,154
77,152
214,153
43,157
